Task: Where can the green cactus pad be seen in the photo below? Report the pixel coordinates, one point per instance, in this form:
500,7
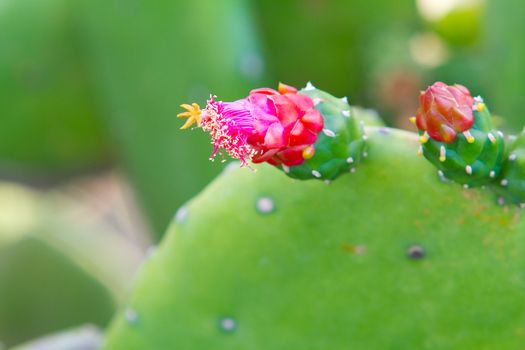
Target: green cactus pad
339,147
470,164
387,258
510,186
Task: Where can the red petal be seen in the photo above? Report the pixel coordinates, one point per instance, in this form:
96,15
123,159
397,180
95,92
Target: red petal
301,135
292,156
274,137
313,120
286,89
264,91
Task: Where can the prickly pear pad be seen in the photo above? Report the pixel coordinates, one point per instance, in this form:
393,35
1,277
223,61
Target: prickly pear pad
388,257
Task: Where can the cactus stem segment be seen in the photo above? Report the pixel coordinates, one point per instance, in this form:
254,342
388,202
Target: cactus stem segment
468,169
442,154
469,137
193,113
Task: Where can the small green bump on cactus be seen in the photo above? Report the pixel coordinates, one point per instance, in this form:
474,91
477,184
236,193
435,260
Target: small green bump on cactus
457,135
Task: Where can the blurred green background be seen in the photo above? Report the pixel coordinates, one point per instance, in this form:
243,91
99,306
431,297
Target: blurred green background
92,164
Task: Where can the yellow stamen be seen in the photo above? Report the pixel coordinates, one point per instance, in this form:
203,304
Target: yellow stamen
469,137
423,138
480,106
412,120
308,152
442,154
193,114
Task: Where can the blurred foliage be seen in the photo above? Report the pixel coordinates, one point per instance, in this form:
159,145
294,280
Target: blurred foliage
50,123
56,272
148,57
505,69
325,41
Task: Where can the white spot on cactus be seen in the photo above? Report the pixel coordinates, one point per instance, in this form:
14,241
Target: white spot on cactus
349,160
466,186
468,170
181,215
522,205
228,324
353,170
327,182
316,101
345,112
491,137
478,99
513,157
286,169
504,182
329,132
501,201
309,87
344,99
365,137
420,151
151,251
384,131
492,174
441,174
265,205
131,316
365,154
442,154
316,173
416,252
500,133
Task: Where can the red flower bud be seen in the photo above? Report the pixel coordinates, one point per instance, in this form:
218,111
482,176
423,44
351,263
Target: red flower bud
444,111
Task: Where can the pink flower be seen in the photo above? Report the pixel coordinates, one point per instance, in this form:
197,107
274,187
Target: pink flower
278,127
444,111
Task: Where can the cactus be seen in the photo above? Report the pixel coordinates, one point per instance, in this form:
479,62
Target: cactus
390,256
309,134
457,135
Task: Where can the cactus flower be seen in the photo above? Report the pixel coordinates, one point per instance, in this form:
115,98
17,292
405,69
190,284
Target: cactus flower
444,111
278,127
